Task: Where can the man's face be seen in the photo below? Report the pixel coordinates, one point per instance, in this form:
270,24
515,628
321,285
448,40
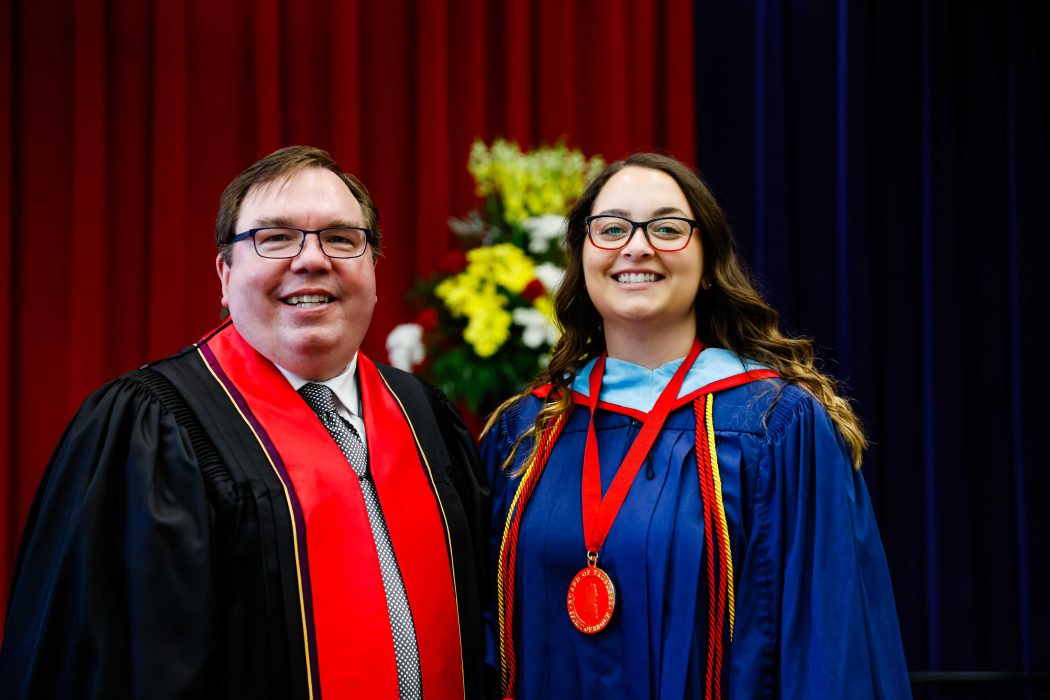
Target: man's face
265,297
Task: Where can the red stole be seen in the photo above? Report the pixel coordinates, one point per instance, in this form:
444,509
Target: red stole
343,587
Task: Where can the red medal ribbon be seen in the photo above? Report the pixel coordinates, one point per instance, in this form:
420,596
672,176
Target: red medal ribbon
599,513
592,596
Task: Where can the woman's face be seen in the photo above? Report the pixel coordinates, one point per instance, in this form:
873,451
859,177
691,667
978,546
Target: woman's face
637,289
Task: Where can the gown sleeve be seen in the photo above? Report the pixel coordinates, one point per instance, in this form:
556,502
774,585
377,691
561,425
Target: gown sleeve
468,477
815,601
112,595
467,474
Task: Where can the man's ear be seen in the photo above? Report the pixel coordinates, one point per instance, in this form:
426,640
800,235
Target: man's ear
223,270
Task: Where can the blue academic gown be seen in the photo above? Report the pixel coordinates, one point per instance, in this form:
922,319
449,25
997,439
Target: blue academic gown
815,616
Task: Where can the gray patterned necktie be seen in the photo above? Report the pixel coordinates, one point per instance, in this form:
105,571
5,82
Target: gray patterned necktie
321,399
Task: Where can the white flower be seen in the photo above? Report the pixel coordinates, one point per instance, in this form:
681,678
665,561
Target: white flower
404,346
550,275
537,328
542,230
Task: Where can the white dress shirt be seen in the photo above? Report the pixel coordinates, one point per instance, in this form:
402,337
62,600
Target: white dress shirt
347,397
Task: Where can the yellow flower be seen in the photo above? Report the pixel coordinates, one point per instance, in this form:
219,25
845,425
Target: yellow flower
542,181
474,294
505,264
487,331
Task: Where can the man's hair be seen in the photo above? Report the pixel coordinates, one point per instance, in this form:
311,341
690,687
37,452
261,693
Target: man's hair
278,165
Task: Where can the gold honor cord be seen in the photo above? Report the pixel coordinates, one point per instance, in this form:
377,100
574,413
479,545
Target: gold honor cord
501,576
715,471
717,557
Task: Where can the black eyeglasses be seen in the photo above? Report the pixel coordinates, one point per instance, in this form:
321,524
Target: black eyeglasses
666,234
285,242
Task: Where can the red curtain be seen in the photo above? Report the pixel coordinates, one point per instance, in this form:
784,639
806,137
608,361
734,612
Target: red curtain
124,120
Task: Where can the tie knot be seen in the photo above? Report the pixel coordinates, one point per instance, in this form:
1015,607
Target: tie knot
319,397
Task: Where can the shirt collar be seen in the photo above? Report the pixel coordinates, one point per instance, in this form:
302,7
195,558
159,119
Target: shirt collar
343,385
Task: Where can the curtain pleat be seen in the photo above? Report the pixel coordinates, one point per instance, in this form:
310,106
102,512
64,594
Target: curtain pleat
40,281
675,95
87,254
564,92
9,523
125,302
168,233
1017,416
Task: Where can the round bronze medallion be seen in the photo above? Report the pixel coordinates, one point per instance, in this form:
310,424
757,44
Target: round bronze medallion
591,600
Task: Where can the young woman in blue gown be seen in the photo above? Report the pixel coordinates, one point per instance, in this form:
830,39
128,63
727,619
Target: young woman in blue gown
678,511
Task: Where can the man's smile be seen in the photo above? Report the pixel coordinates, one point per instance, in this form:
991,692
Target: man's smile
307,301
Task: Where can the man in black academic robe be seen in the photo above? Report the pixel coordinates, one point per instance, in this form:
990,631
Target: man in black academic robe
199,532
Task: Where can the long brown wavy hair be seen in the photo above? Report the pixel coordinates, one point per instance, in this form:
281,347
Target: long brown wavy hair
731,314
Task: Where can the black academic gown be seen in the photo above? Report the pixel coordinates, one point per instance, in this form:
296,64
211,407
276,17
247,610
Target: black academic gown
157,558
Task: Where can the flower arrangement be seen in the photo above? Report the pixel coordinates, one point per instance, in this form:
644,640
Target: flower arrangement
485,324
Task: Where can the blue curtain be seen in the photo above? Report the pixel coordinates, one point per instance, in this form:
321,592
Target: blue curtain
885,168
